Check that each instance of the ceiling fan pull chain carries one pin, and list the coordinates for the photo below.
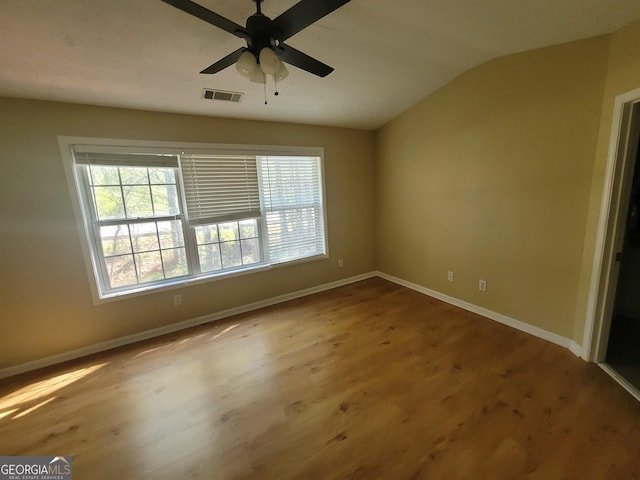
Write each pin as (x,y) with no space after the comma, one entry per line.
(264,86)
(275,80)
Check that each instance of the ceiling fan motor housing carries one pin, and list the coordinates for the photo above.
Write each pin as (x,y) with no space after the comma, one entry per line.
(261,31)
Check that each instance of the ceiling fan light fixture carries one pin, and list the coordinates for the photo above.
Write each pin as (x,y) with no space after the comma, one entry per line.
(258,76)
(282,73)
(269,61)
(247,65)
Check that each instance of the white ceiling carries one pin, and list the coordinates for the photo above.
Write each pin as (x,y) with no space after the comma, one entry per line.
(388,54)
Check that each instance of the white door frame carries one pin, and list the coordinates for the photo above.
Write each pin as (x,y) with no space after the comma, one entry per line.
(623,144)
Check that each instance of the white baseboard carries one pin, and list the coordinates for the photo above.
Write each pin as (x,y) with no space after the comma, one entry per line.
(156,332)
(498,317)
(575,348)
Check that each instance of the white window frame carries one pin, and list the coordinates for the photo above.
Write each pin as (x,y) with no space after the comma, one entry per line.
(93,261)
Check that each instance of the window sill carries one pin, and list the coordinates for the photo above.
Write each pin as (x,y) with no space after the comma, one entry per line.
(193,281)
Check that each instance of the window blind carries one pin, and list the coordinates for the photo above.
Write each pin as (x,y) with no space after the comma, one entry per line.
(125,159)
(292,196)
(220,188)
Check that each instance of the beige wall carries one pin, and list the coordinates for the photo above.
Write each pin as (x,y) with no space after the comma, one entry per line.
(498,175)
(490,178)
(46,303)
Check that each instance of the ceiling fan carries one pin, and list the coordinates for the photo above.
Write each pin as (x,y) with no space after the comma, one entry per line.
(266,50)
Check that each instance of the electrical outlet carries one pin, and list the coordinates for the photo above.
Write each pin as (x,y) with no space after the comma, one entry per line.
(482,285)
(340,263)
(177,300)
(450,276)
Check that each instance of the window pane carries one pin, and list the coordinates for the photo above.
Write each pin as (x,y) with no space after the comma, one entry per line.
(295,234)
(138,201)
(121,271)
(231,256)
(162,175)
(104,175)
(115,240)
(228,231)
(109,202)
(175,262)
(207,234)
(165,200)
(292,196)
(144,237)
(149,266)
(170,233)
(248,228)
(209,257)
(134,175)
(250,251)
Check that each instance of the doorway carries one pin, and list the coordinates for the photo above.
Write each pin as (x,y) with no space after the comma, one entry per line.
(612,320)
(623,347)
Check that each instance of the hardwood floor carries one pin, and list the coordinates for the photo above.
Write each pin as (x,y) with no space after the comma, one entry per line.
(367,381)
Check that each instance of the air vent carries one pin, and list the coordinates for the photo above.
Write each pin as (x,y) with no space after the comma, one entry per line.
(222,95)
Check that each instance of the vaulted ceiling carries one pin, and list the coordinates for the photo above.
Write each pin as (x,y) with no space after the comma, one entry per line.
(387,55)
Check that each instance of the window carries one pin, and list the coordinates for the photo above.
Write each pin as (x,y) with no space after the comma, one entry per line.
(164,214)
(292,203)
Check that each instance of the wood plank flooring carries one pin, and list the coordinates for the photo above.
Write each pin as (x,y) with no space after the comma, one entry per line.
(367,381)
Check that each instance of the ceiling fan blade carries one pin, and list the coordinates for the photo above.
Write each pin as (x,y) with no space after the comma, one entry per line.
(208,16)
(302,60)
(303,14)
(225,62)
